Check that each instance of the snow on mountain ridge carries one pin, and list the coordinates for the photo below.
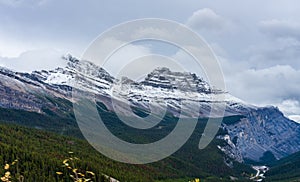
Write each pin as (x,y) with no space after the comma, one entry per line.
(31,92)
(160,84)
(165,78)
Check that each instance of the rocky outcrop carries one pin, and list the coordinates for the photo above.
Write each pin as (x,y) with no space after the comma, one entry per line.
(264,130)
(260,130)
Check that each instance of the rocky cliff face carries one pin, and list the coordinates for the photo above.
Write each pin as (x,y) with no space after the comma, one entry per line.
(165,78)
(17,92)
(33,91)
(259,131)
(262,131)
(181,92)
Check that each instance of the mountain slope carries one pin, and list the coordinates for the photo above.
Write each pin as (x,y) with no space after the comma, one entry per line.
(42,153)
(259,131)
(264,130)
(286,169)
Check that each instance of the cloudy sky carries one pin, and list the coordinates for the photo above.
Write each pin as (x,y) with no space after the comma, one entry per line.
(257,43)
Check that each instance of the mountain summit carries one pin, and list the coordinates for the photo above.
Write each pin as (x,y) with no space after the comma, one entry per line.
(259,131)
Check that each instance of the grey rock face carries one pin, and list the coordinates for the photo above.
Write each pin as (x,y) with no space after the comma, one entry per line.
(165,78)
(29,91)
(261,129)
(265,130)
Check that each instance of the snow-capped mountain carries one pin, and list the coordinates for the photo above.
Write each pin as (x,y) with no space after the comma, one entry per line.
(259,131)
(180,91)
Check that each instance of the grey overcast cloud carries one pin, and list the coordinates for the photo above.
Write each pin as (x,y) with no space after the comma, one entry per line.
(257,42)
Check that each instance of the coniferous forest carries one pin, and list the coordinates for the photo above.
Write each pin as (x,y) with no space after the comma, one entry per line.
(42,147)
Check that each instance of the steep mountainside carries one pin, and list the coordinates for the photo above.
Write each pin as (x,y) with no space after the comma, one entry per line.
(260,131)
(264,132)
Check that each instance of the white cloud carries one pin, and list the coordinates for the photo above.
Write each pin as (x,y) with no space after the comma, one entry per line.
(295,118)
(256,78)
(122,57)
(207,19)
(280,28)
(291,108)
(283,51)
(269,85)
(263,70)
(34,60)
(277,86)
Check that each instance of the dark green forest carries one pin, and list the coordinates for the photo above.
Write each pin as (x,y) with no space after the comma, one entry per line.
(41,142)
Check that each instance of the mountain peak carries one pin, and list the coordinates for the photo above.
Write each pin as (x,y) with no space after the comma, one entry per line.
(167,71)
(165,78)
(70,58)
(162,70)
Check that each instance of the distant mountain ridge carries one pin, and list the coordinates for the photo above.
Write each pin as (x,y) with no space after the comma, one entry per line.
(260,130)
